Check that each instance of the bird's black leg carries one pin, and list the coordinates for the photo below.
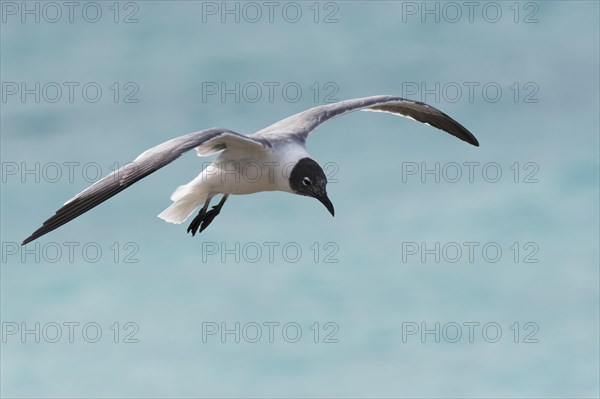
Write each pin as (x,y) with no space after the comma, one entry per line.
(193,227)
(204,218)
(212,214)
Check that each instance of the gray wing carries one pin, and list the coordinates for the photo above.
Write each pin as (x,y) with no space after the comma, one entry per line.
(302,124)
(205,141)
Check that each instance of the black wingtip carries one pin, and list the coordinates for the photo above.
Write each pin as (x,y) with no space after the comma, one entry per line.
(35,235)
(28,240)
(473,141)
(463,134)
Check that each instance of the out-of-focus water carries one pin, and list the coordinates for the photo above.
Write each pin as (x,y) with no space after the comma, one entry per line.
(523,77)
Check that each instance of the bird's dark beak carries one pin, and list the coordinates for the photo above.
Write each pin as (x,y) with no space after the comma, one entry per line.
(324,199)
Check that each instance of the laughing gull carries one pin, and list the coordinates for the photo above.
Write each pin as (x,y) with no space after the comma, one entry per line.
(272,159)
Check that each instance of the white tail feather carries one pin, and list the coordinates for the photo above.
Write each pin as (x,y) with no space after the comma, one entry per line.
(180,192)
(181,209)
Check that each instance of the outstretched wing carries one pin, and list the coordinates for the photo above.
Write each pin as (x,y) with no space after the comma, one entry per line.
(205,141)
(302,124)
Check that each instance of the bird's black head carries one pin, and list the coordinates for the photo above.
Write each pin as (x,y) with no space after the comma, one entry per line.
(307,178)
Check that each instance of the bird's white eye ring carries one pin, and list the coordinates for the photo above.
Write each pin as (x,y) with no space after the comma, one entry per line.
(306,181)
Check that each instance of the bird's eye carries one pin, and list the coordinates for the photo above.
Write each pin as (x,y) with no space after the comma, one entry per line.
(306,181)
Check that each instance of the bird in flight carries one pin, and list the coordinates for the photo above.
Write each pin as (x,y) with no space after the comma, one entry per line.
(272,159)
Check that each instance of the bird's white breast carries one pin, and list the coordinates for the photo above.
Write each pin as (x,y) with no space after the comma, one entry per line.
(269,170)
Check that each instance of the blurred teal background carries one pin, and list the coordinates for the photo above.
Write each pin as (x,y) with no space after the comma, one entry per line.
(376,290)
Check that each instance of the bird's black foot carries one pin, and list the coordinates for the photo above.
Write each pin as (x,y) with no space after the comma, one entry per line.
(204,218)
(193,227)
